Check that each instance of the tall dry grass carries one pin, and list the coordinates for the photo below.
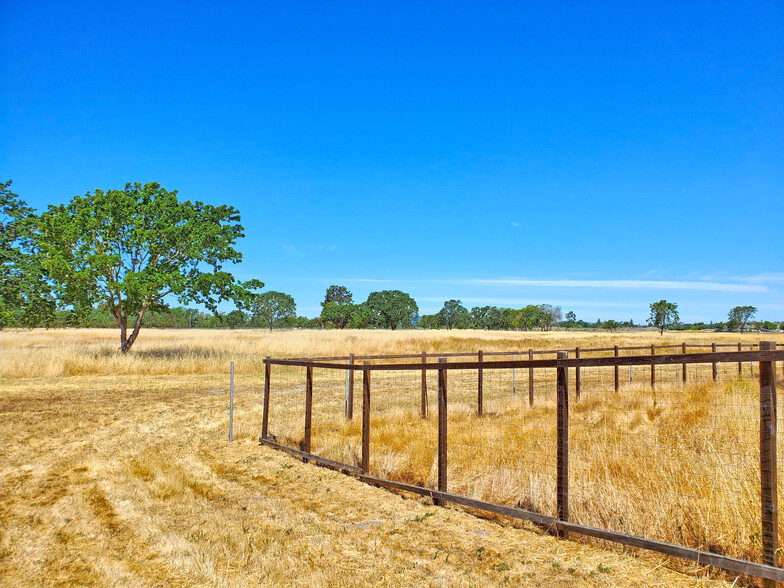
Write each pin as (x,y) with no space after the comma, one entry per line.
(115,468)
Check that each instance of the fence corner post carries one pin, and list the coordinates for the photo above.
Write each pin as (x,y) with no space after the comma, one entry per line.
(365,419)
(768,473)
(562,461)
(442,430)
(265,417)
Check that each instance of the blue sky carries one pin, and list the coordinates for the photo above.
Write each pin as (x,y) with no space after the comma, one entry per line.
(595,157)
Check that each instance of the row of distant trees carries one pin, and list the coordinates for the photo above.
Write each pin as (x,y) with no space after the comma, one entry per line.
(115,257)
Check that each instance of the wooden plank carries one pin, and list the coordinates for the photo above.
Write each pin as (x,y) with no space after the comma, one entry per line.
(562,436)
(365,420)
(309,457)
(768,473)
(691,358)
(577,376)
(669,359)
(308,408)
(739,566)
(530,379)
(423,401)
(740,363)
(479,385)
(442,428)
(714,365)
(350,400)
(444,497)
(265,414)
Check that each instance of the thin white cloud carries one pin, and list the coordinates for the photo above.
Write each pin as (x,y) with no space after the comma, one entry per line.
(598,284)
(526,301)
(769,278)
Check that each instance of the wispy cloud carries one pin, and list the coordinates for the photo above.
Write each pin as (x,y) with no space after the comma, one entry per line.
(526,301)
(593,284)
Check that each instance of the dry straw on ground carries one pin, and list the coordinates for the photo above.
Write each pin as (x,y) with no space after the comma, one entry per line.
(115,470)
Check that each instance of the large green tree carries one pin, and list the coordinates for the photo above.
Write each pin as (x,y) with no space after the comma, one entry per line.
(391,309)
(337,308)
(453,315)
(337,295)
(271,307)
(663,314)
(739,316)
(25,295)
(132,248)
(338,315)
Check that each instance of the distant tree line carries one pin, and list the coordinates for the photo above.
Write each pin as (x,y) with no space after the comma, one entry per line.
(116,258)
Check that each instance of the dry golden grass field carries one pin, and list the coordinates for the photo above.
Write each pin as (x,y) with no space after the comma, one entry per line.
(116,470)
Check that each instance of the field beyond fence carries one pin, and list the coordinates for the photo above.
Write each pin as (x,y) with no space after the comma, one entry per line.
(669,448)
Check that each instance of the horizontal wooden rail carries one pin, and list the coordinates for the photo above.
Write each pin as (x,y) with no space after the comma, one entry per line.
(609,361)
(519,352)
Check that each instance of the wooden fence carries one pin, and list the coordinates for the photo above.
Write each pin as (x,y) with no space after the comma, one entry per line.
(765,356)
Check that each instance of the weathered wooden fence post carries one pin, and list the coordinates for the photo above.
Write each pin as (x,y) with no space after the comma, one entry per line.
(530,379)
(423,403)
(631,381)
(768,474)
(577,376)
(740,363)
(514,387)
(683,370)
(715,365)
(308,409)
(350,389)
(366,419)
(616,370)
(562,474)
(265,417)
(442,432)
(653,367)
(479,385)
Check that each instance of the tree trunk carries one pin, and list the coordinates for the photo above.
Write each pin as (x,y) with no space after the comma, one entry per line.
(127,342)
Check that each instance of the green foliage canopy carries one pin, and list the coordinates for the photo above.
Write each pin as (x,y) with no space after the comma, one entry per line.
(338,295)
(25,295)
(391,309)
(663,314)
(131,248)
(739,316)
(271,307)
(454,315)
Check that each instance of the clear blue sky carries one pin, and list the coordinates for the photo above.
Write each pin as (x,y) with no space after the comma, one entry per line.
(595,157)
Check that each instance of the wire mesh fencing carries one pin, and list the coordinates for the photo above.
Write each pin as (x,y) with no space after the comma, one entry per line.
(657,450)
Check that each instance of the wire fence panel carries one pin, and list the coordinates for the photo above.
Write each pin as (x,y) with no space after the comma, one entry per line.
(678,464)
(287,405)
(647,447)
